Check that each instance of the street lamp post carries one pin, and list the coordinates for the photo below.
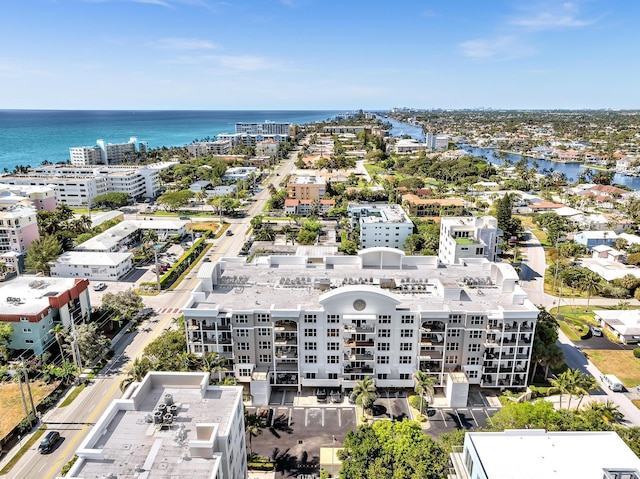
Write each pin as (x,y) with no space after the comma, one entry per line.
(155,255)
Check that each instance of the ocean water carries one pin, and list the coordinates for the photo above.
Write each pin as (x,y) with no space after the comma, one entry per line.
(29,137)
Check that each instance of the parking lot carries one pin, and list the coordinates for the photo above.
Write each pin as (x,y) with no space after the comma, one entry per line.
(294,435)
(443,420)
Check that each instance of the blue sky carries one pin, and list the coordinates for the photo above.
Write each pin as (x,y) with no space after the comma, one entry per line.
(318,54)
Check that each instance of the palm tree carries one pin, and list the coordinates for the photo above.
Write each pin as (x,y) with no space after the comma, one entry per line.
(58,329)
(586,384)
(590,284)
(608,410)
(424,387)
(253,425)
(149,236)
(365,393)
(213,363)
(136,372)
(561,384)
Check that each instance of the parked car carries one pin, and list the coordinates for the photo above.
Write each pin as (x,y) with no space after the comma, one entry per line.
(229,233)
(321,395)
(336,396)
(49,442)
(596,331)
(99,286)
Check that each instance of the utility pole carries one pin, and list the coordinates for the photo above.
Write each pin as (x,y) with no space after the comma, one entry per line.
(26,381)
(155,254)
(75,349)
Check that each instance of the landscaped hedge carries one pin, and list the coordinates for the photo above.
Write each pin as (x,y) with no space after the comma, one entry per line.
(260,466)
(636,352)
(184,262)
(414,401)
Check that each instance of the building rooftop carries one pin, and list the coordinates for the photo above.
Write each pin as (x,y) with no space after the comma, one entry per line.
(540,454)
(126,443)
(415,282)
(29,295)
(114,235)
(379,213)
(91,258)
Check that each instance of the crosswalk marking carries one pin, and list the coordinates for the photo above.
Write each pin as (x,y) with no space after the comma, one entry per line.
(168,310)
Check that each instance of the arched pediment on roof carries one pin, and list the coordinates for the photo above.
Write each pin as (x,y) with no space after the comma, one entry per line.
(359,300)
(381,257)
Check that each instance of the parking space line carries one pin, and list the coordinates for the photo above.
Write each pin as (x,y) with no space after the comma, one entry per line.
(339,417)
(322,417)
(474,418)
(444,418)
(290,416)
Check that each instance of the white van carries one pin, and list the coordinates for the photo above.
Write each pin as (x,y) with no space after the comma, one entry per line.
(612,382)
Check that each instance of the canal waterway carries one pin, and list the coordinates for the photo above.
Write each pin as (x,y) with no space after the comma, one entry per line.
(571,170)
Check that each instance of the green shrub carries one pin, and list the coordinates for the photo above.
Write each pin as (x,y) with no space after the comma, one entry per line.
(414,401)
(260,466)
(67,467)
(636,352)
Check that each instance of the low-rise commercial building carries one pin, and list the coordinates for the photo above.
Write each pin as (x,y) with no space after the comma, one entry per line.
(168,426)
(100,266)
(32,305)
(432,207)
(333,321)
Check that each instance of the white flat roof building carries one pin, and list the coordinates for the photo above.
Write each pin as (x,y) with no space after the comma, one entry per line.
(101,266)
(120,236)
(538,454)
(171,425)
(301,321)
(381,224)
(466,237)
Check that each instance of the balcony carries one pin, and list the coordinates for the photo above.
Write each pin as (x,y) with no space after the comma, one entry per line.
(432,326)
(286,353)
(285,379)
(202,326)
(352,343)
(285,341)
(358,370)
(360,329)
(285,326)
(428,355)
(359,356)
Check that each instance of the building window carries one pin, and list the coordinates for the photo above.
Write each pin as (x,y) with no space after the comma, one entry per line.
(332,376)
(384,333)
(382,376)
(451,359)
(383,346)
(264,344)
(264,332)
(455,318)
(311,346)
(26,330)
(473,348)
(310,318)
(265,358)
(333,333)
(405,376)
(475,319)
(333,318)
(333,346)
(241,319)
(406,346)
(244,359)
(473,361)
(472,374)
(406,319)
(382,360)
(404,360)
(475,334)
(28,341)
(452,346)
(263,318)
(242,333)
(311,359)
(310,333)
(384,319)
(453,333)
(243,346)
(406,333)
(244,372)
(310,375)
(333,359)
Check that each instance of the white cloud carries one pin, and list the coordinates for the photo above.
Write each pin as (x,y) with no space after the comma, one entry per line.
(498,48)
(551,16)
(246,63)
(183,44)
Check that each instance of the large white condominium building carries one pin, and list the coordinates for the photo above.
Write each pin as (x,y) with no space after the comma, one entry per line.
(76,185)
(466,237)
(381,224)
(171,425)
(287,321)
(266,128)
(105,153)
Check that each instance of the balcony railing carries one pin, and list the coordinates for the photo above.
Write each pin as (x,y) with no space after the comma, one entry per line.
(352,343)
(359,357)
(362,329)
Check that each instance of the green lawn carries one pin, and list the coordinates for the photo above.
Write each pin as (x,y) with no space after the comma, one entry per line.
(622,363)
